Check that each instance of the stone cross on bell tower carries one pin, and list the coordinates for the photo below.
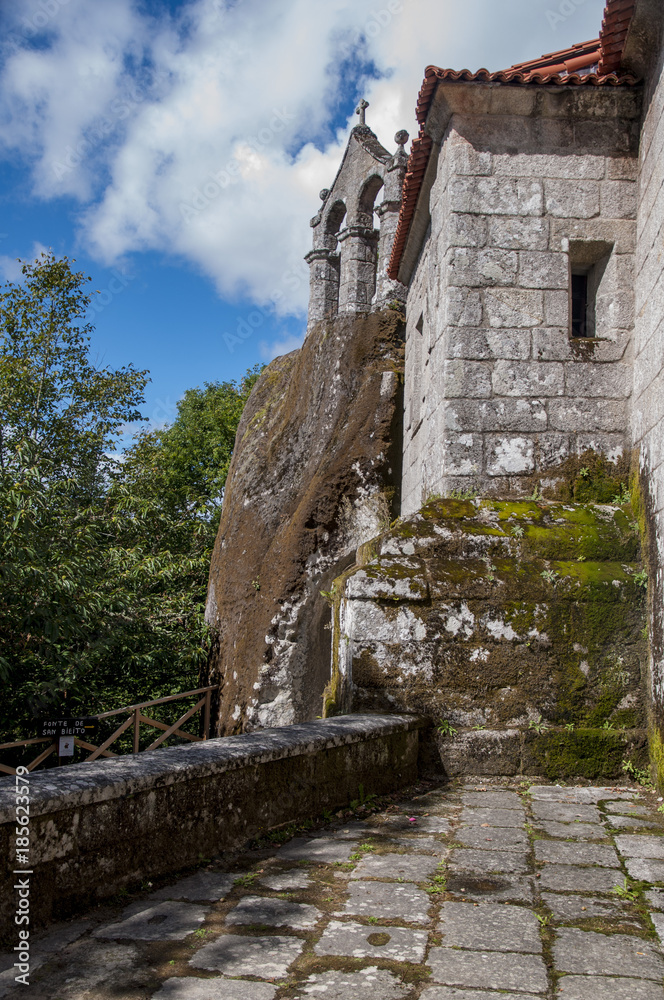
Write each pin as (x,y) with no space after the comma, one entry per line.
(360,110)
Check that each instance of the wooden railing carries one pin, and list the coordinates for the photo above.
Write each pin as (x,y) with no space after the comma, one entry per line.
(136,719)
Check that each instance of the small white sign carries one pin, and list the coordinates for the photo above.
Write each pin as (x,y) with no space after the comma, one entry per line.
(66,746)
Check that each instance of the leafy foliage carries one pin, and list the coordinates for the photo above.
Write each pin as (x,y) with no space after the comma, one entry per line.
(103,561)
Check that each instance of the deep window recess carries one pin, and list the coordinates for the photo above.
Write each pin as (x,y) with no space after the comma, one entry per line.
(579,305)
(589,293)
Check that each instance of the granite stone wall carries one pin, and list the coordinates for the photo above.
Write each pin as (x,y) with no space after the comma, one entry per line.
(498,395)
(495,614)
(648,415)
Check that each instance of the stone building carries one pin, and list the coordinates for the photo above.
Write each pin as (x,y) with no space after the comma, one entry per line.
(523,246)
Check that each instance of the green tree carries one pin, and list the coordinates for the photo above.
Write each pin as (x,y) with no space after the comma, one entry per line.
(103,563)
(186,464)
(54,404)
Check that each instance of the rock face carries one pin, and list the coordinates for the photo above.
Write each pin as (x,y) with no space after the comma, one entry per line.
(315,472)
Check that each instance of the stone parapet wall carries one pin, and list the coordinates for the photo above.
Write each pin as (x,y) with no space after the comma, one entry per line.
(98,827)
(498,394)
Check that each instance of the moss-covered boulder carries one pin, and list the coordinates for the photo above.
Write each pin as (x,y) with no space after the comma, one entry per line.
(489,613)
(317,457)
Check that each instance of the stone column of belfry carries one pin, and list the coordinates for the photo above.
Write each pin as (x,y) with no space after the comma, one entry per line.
(357,282)
(323,263)
(387,290)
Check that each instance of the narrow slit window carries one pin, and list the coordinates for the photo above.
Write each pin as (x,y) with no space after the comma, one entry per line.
(579,304)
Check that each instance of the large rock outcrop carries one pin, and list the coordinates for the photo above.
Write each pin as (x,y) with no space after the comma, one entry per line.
(315,472)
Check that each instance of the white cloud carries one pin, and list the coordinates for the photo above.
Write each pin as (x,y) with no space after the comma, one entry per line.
(269,351)
(10,267)
(199,136)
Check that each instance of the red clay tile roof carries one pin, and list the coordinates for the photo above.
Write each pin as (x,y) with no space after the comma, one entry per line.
(595,63)
(617,18)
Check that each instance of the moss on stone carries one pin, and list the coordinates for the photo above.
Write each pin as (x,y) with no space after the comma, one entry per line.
(584,753)
(656,746)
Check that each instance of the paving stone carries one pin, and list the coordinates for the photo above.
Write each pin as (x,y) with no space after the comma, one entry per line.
(387,901)
(645,869)
(577,831)
(628,808)
(576,854)
(496,838)
(325,849)
(492,800)
(568,878)
(406,824)
(433,803)
(423,845)
(168,921)
(629,823)
(504,862)
(297,878)
(591,793)
(588,953)
(603,988)
(201,886)
(450,993)
(656,898)
(267,911)
(369,984)
(237,955)
(489,927)
(407,867)
(640,846)
(352,831)
(432,824)
(359,941)
(488,970)
(43,944)
(580,907)
(494,817)
(190,988)
(566,813)
(94,969)
(491,888)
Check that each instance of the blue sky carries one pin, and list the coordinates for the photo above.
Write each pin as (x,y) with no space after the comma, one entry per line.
(176,150)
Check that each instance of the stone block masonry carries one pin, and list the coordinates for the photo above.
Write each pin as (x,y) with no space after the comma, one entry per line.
(648,402)
(96,828)
(525,190)
(497,614)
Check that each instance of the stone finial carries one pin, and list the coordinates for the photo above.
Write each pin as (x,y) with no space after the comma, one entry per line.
(360,110)
(323,194)
(402,137)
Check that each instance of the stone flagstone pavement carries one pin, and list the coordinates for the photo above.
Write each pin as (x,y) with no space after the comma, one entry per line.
(475,891)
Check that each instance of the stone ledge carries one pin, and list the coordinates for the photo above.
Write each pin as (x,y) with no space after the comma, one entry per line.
(588,753)
(104,780)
